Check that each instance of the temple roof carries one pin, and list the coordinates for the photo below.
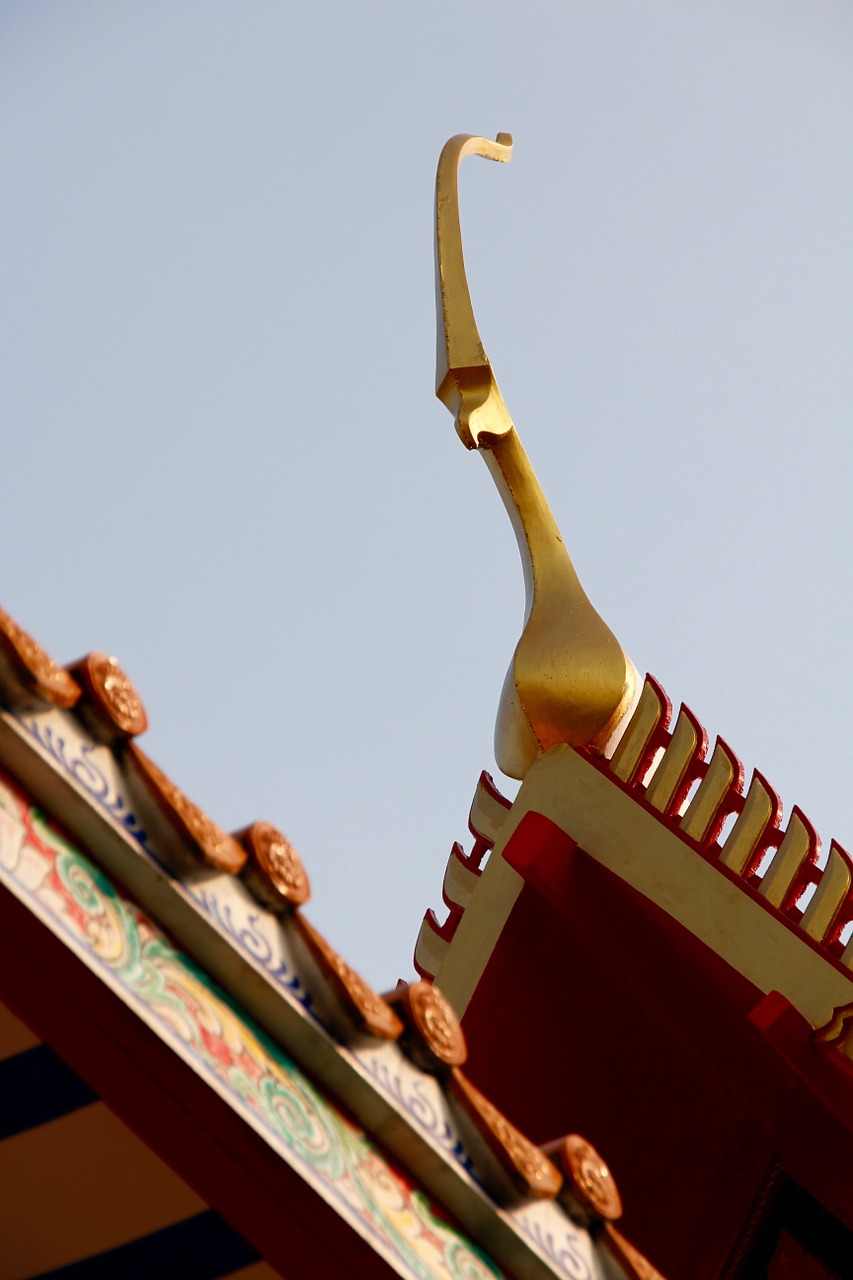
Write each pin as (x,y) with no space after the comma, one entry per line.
(676,962)
(171,964)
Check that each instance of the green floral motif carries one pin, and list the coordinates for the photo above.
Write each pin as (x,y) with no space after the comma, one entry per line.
(223,1045)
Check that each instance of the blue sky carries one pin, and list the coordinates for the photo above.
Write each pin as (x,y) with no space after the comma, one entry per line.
(223,459)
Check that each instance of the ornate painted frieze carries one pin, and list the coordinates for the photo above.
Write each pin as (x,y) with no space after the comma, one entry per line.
(204,1026)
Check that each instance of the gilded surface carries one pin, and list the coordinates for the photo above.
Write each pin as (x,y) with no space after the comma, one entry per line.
(838,1031)
(49,679)
(276,857)
(216,847)
(370,1010)
(636,1265)
(116,694)
(590,1177)
(437,1023)
(756,835)
(524,1161)
(569,680)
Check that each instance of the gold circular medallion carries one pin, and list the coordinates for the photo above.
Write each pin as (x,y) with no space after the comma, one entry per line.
(277,860)
(115,694)
(437,1023)
(49,680)
(590,1178)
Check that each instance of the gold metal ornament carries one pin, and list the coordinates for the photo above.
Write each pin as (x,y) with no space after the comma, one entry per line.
(569,679)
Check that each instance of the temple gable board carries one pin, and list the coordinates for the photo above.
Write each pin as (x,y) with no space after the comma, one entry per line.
(626,1051)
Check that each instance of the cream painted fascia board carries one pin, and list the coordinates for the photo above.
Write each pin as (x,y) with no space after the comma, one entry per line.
(483,920)
(610,826)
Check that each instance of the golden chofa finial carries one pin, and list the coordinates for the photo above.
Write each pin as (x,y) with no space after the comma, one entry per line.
(569,679)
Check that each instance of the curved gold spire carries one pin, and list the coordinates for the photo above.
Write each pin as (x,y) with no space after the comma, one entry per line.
(569,680)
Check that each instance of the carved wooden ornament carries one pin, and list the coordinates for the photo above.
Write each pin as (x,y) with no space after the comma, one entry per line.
(435,1040)
(112,694)
(369,1011)
(215,847)
(588,1177)
(635,1264)
(274,870)
(36,668)
(529,1168)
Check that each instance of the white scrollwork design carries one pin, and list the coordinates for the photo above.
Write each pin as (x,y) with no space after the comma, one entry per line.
(78,764)
(564,1254)
(251,939)
(412,1096)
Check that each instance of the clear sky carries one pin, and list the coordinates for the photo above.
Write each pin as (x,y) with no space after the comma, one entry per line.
(222,458)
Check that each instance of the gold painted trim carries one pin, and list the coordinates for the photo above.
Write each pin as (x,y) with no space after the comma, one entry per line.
(569,680)
(612,828)
(589,1180)
(633,842)
(724,775)
(430,949)
(460,880)
(369,1012)
(462,961)
(759,812)
(488,811)
(34,667)
(464,380)
(797,844)
(653,711)
(532,1173)
(834,886)
(688,742)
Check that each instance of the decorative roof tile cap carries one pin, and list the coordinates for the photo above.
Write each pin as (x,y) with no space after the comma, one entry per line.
(274,872)
(217,849)
(35,668)
(588,1179)
(112,695)
(434,1039)
(369,1012)
(635,1265)
(529,1168)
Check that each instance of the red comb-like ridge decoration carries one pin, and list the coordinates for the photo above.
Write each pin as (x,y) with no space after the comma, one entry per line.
(696,795)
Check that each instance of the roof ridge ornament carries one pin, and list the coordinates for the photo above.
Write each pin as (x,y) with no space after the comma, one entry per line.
(569,679)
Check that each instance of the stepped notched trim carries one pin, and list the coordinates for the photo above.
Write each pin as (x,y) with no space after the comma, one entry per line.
(488,811)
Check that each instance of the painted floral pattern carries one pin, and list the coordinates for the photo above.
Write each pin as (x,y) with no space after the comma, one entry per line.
(203,1025)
